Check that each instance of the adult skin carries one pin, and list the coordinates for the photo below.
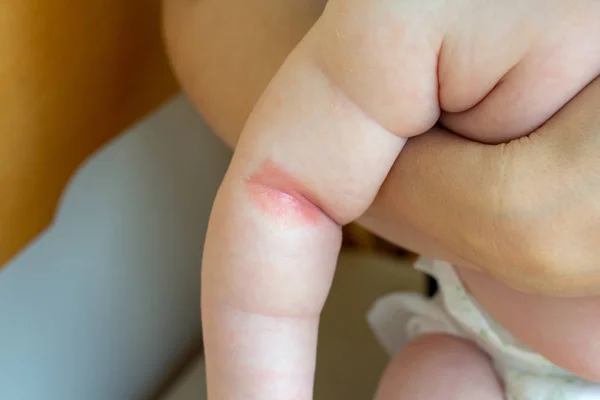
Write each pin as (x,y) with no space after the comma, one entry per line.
(442,197)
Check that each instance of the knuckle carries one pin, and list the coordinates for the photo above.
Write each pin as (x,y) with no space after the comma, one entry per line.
(383,60)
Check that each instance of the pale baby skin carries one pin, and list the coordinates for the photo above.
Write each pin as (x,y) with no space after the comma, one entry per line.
(320,142)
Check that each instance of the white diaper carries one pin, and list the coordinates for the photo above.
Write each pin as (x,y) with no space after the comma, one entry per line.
(399,317)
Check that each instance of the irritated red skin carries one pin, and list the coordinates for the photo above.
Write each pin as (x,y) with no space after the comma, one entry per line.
(278,194)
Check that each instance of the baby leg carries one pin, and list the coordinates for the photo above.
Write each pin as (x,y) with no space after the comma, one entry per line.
(441,367)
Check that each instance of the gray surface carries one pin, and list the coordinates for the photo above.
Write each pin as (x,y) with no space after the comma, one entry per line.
(100,306)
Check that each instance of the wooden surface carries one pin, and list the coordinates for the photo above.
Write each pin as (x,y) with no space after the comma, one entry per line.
(73,74)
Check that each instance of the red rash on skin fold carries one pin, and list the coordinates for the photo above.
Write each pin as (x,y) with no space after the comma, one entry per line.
(277,193)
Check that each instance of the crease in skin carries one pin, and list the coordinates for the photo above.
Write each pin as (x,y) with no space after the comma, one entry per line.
(278,194)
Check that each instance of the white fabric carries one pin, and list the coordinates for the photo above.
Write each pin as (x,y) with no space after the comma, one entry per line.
(399,317)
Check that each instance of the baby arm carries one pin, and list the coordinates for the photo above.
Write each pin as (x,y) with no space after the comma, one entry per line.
(310,159)
(322,139)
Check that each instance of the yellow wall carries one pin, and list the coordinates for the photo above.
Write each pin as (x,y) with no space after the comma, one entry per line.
(73,73)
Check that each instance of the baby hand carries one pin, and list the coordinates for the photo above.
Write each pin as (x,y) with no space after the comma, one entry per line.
(324,135)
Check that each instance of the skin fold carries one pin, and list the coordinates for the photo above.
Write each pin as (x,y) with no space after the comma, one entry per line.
(332,123)
(441,172)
